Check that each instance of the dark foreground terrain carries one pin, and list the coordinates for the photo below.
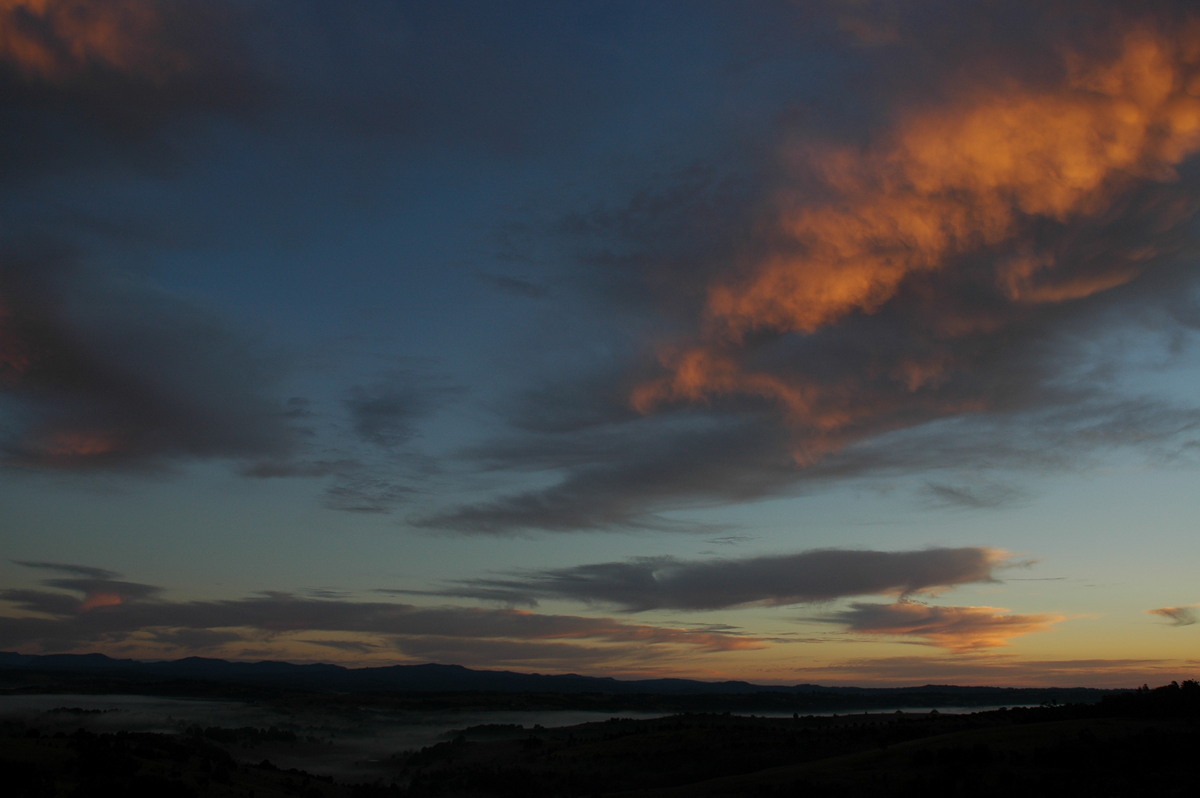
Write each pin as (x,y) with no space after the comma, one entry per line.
(1136,743)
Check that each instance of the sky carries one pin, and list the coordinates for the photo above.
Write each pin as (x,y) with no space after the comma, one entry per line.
(794,342)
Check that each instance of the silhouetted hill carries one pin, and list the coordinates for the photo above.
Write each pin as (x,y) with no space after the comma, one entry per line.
(1139,745)
(98,673)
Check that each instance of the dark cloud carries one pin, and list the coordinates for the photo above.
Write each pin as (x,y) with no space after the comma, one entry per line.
(972,495)
(356,483)
(617,475)
(194,639)
(65,623)
(101,368)
(729,540)
(88,83)
(624,474)
(96,587)
(1177,616)
(40,601)
(104,370)
(347,645)
(957,628)
(364,490)
(366,448)
(385,413)
(326,593)
(811,576)
(104,592)
(85,571)
(383,417)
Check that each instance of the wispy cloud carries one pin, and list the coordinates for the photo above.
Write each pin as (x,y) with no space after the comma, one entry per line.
(1177,616)
(973,495)
(956,628)
(56,620)
(85,571)
(990,667)
(384,413)
(811,576)
(98,587)
(622,474)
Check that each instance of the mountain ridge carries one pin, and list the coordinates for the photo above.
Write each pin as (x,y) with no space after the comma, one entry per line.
(448,678)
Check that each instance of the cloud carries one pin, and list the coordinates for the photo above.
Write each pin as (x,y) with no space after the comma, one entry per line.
(616,474)
(286,620)
(355,484)
(621,474)
(194,639)
(991,668)
(384,413)
(895,277)
(955,628)
(1178,616)
(352,646)
(810,576)
(936,282)
(104,370)
(60,39)
(973,496)
(87,81)
(366,450)
(104,592)
(97,586)
(85,571)
(364,491)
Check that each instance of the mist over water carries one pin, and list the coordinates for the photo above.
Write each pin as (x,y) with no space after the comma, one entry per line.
(343,742)
(347,743)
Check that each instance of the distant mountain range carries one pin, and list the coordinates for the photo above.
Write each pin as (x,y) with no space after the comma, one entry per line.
(28,672)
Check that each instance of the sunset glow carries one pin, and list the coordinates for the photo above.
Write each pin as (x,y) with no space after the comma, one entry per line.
(785,342)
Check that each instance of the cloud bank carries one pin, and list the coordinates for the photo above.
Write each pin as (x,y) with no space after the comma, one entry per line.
(89,610)
(805,577)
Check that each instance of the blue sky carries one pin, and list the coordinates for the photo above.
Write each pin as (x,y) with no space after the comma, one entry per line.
(792,342)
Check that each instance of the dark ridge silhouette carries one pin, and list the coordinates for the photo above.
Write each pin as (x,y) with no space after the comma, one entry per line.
(63,672)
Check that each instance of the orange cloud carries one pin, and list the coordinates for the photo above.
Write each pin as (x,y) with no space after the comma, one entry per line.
(953,196)
(957,179)
(101,599)
(56,39)
(72,444)
(956,628)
